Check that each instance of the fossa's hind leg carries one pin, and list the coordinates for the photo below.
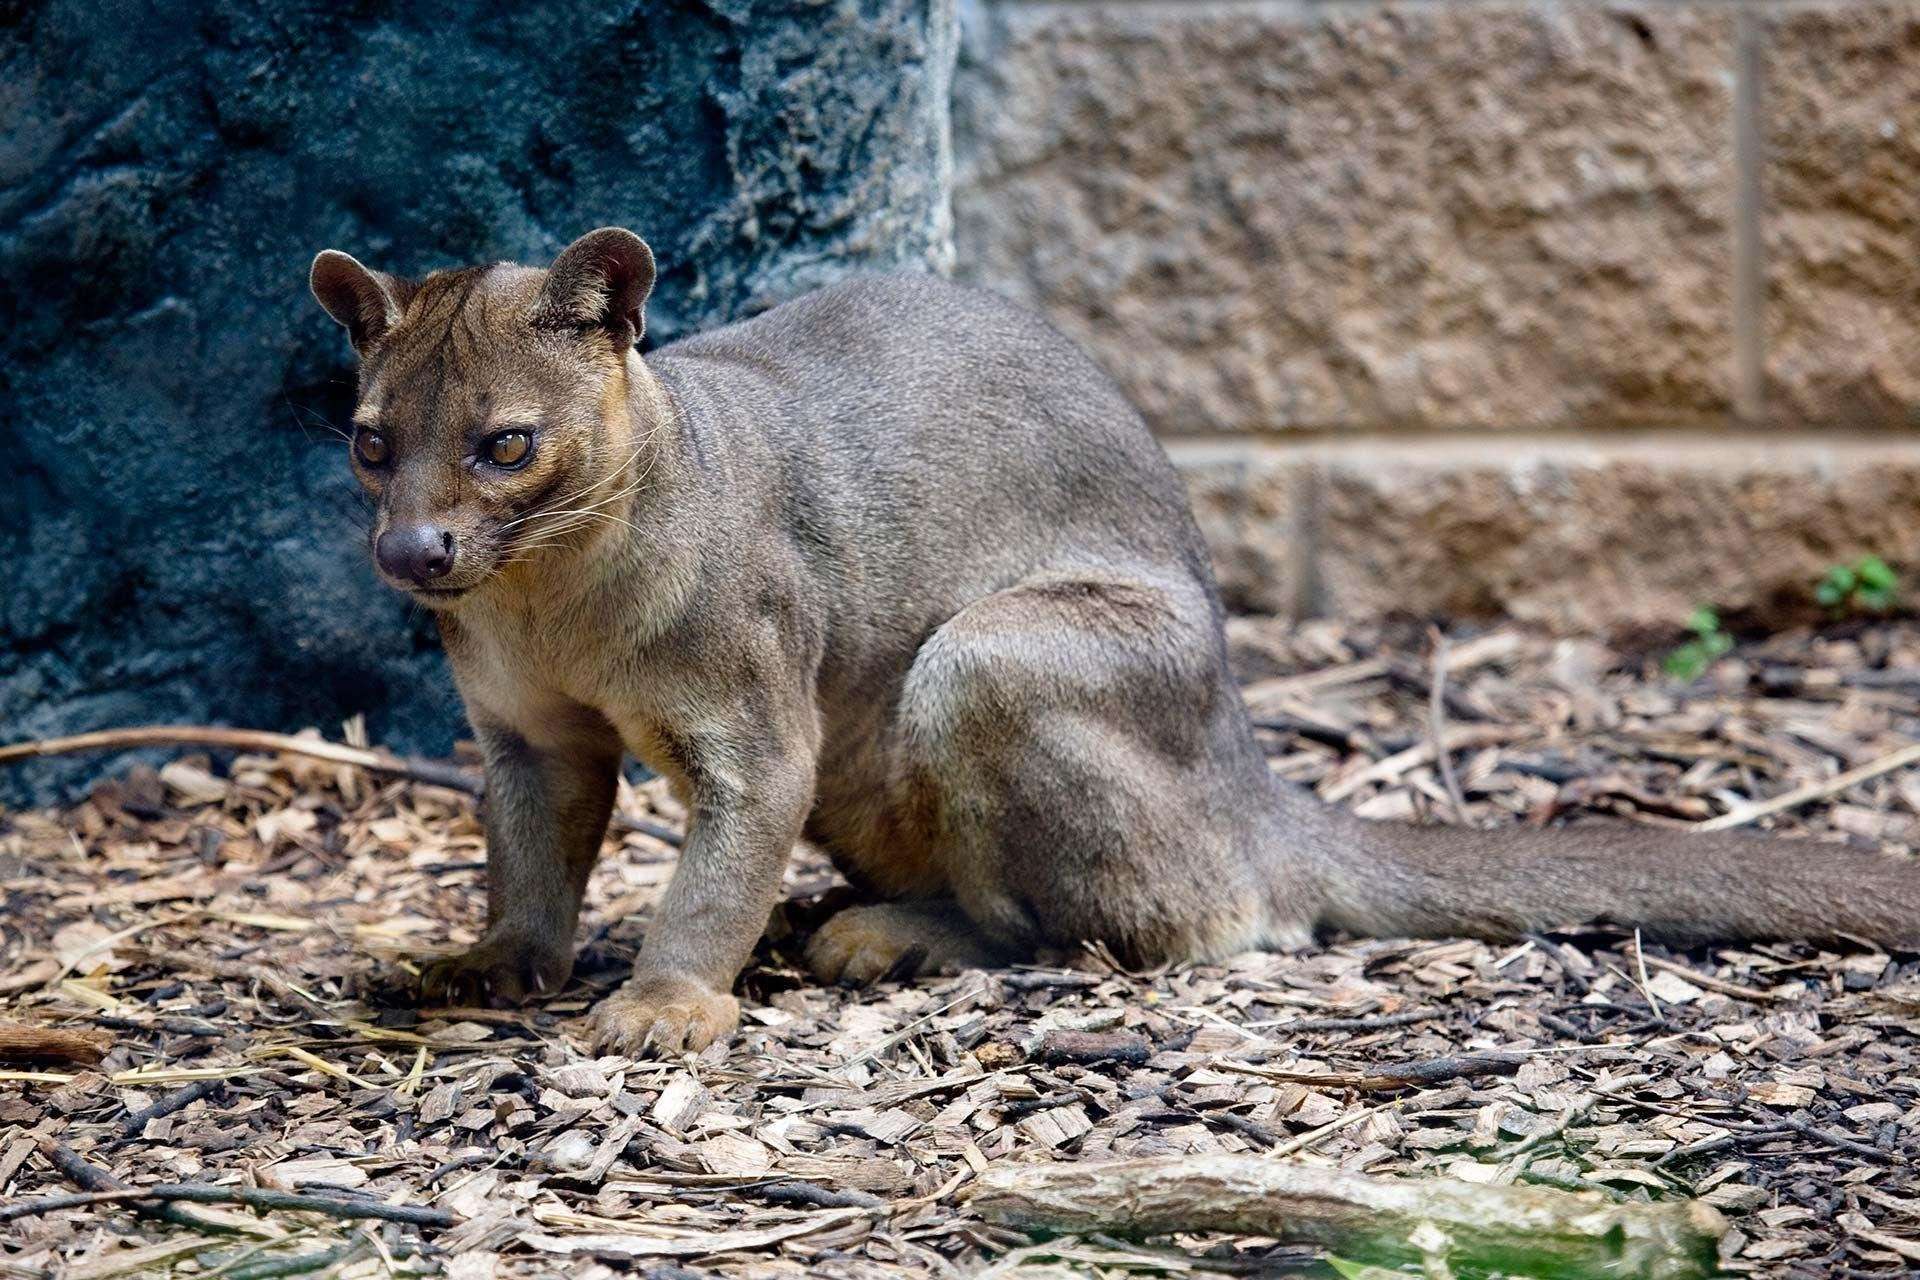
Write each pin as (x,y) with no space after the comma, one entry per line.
(1088,769)
(918,935)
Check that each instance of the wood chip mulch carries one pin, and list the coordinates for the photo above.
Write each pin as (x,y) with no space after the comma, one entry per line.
(244,931)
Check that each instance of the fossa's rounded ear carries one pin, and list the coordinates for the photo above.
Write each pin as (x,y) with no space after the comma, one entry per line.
(365,301)
(601,281)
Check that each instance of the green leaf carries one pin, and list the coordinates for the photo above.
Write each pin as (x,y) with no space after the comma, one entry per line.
(1686,662)
(1830,593)
(1875,575)
(1703,621)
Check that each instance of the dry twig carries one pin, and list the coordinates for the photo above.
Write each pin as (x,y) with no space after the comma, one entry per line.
(1711,983)
(434,773)
(1401,1075)
(1437,724)
(1755,810)
(251,1197)
(99,1181)
(180,1099)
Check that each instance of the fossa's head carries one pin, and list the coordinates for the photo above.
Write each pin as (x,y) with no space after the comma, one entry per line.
(492,421)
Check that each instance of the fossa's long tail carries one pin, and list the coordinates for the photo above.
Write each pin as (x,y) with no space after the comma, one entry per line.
(1399,879)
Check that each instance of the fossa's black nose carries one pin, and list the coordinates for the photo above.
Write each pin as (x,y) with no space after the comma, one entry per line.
(416,552)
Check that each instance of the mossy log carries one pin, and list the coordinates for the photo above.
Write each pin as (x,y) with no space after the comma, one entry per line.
(1529,1231)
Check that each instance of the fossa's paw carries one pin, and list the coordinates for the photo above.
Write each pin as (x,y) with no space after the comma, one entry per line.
(502,969)
(663,1016)
(895,940)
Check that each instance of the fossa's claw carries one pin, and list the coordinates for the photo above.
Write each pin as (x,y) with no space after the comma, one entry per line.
(501,969)
(662,1017)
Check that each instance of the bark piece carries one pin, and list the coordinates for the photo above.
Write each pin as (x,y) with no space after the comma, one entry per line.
(1085,1048)
(23,1042)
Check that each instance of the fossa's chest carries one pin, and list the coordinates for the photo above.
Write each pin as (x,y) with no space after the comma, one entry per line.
(556,680)
(538,673)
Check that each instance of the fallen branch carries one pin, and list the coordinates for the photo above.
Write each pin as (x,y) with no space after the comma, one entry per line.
(1425,1071)
(1755,810)
(1371,1022)
(1725,1142)
(1245,1126)
(299,1265)
(808,1195)
(101,1183)
(180,1099)
(1398,1075)
(438,773)
(695,1244)
(1841,1143)
(1043,980)
(250,1197)
(434,773)
(171,1025)
(25,1042)
(1534,1231)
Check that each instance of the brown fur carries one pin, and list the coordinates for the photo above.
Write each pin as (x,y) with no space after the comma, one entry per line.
(896,568)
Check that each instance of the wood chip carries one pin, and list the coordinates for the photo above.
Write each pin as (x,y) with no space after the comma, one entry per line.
(254,928)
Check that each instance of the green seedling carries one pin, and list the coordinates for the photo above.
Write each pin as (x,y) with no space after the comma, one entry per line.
(1690,660)
(1868,585)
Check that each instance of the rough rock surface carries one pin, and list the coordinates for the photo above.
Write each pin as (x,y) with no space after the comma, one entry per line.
(180,535)
(1841,112)
(1258,510)
(1580,536)
(1485,215)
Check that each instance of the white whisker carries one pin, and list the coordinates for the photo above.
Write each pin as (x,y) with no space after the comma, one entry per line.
(612,475)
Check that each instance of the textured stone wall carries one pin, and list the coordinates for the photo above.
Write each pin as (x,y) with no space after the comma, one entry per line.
(179,534)
(1583,312)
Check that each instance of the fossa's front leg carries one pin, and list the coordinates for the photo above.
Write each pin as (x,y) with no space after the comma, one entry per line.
(749,800)
(546,816)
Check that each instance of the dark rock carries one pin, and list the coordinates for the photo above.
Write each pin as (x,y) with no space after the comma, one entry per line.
(180,538)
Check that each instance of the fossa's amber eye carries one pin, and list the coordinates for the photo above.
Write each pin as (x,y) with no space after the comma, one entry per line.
(509,448)
(372,448)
